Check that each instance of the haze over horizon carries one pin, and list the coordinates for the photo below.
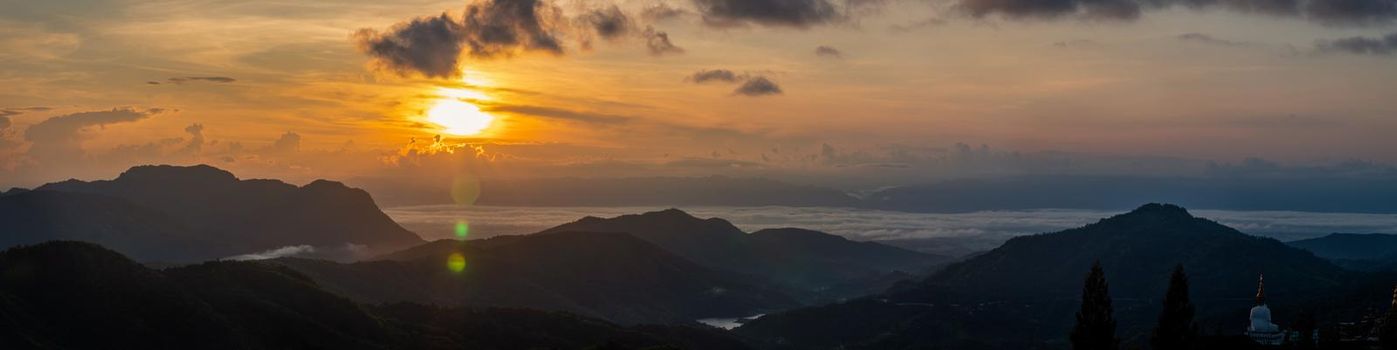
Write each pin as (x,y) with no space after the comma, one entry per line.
(853,95)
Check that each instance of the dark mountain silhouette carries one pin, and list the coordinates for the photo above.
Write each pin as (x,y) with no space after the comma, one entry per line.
(1029,286)
(1137,248)
(207,210)
(37,216)
(1373,251)
(80,295)
(814,264)
(614,276)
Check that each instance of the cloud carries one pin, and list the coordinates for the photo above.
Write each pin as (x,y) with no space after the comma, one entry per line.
(1361,45)
(1328,12)
(288,143)
(758,86)
(5,112)
(287,251)
(829,52)
(557,113)
(182,80)
(658,43)
(196,139)
(4,123)
(752,85)
(661,12)
(1208,39)
(60,138)
(715,75)
(433,46)
(791,13)
(609,23)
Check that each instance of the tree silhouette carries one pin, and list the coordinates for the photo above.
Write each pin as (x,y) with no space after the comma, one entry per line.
(1387,334)
(1095,329)
(1176,329)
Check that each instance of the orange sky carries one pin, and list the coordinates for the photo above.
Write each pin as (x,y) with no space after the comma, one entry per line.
(288,90)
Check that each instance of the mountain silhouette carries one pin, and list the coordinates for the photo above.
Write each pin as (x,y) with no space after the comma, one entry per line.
(1025,291)
(63,294)
(1356,251)
(810,263)
(207,211)
(614,276)
(1137,248)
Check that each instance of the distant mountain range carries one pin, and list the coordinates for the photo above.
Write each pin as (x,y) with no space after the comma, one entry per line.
(1372,251)
(613,276)
(64,295)
(1025,291)
(815,265)
(1314,193)
(185,214)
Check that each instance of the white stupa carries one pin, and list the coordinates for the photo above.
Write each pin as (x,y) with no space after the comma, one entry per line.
(1262,330)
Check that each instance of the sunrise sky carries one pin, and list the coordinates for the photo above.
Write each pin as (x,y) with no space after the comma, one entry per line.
(896,91)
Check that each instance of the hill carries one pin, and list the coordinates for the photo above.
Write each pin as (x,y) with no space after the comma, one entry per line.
(1023,294)
(209,211)
(614,276)
(79,295)
(1373,251)
(812,264)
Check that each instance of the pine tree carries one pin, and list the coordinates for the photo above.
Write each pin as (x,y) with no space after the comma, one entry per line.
(1387,333)
(1095,329)
(1176,329)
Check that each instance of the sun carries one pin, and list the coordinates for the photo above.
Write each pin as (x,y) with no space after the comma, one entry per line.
(458,117)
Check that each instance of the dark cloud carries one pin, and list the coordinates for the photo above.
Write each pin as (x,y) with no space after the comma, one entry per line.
(715,75)
(758,86)
(830,52)
(4,123)
(658,43)
(1097,9)
(433,46)
(1329,12)
(609,23)
(1361,45)
(792,13)
(1208,39)
(430,46)
(1344,12)
(59,138)
(182,80)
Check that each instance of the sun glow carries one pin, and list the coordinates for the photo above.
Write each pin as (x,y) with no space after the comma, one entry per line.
(459,117)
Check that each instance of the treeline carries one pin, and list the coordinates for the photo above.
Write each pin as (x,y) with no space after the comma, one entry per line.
(1176,329)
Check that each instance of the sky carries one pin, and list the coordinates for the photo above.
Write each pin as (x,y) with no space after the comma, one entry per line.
(844,93)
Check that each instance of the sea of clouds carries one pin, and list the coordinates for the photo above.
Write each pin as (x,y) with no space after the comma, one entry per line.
(969,231)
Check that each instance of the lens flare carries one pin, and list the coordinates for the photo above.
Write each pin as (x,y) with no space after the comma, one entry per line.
(465,190)
(463,228)
(456,262)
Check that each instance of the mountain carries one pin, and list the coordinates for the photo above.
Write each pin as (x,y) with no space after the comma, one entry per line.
(206,210)
(812,264)
(613,276)
(1372,251)
(1023,294)
(1137,248)
(79,295)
